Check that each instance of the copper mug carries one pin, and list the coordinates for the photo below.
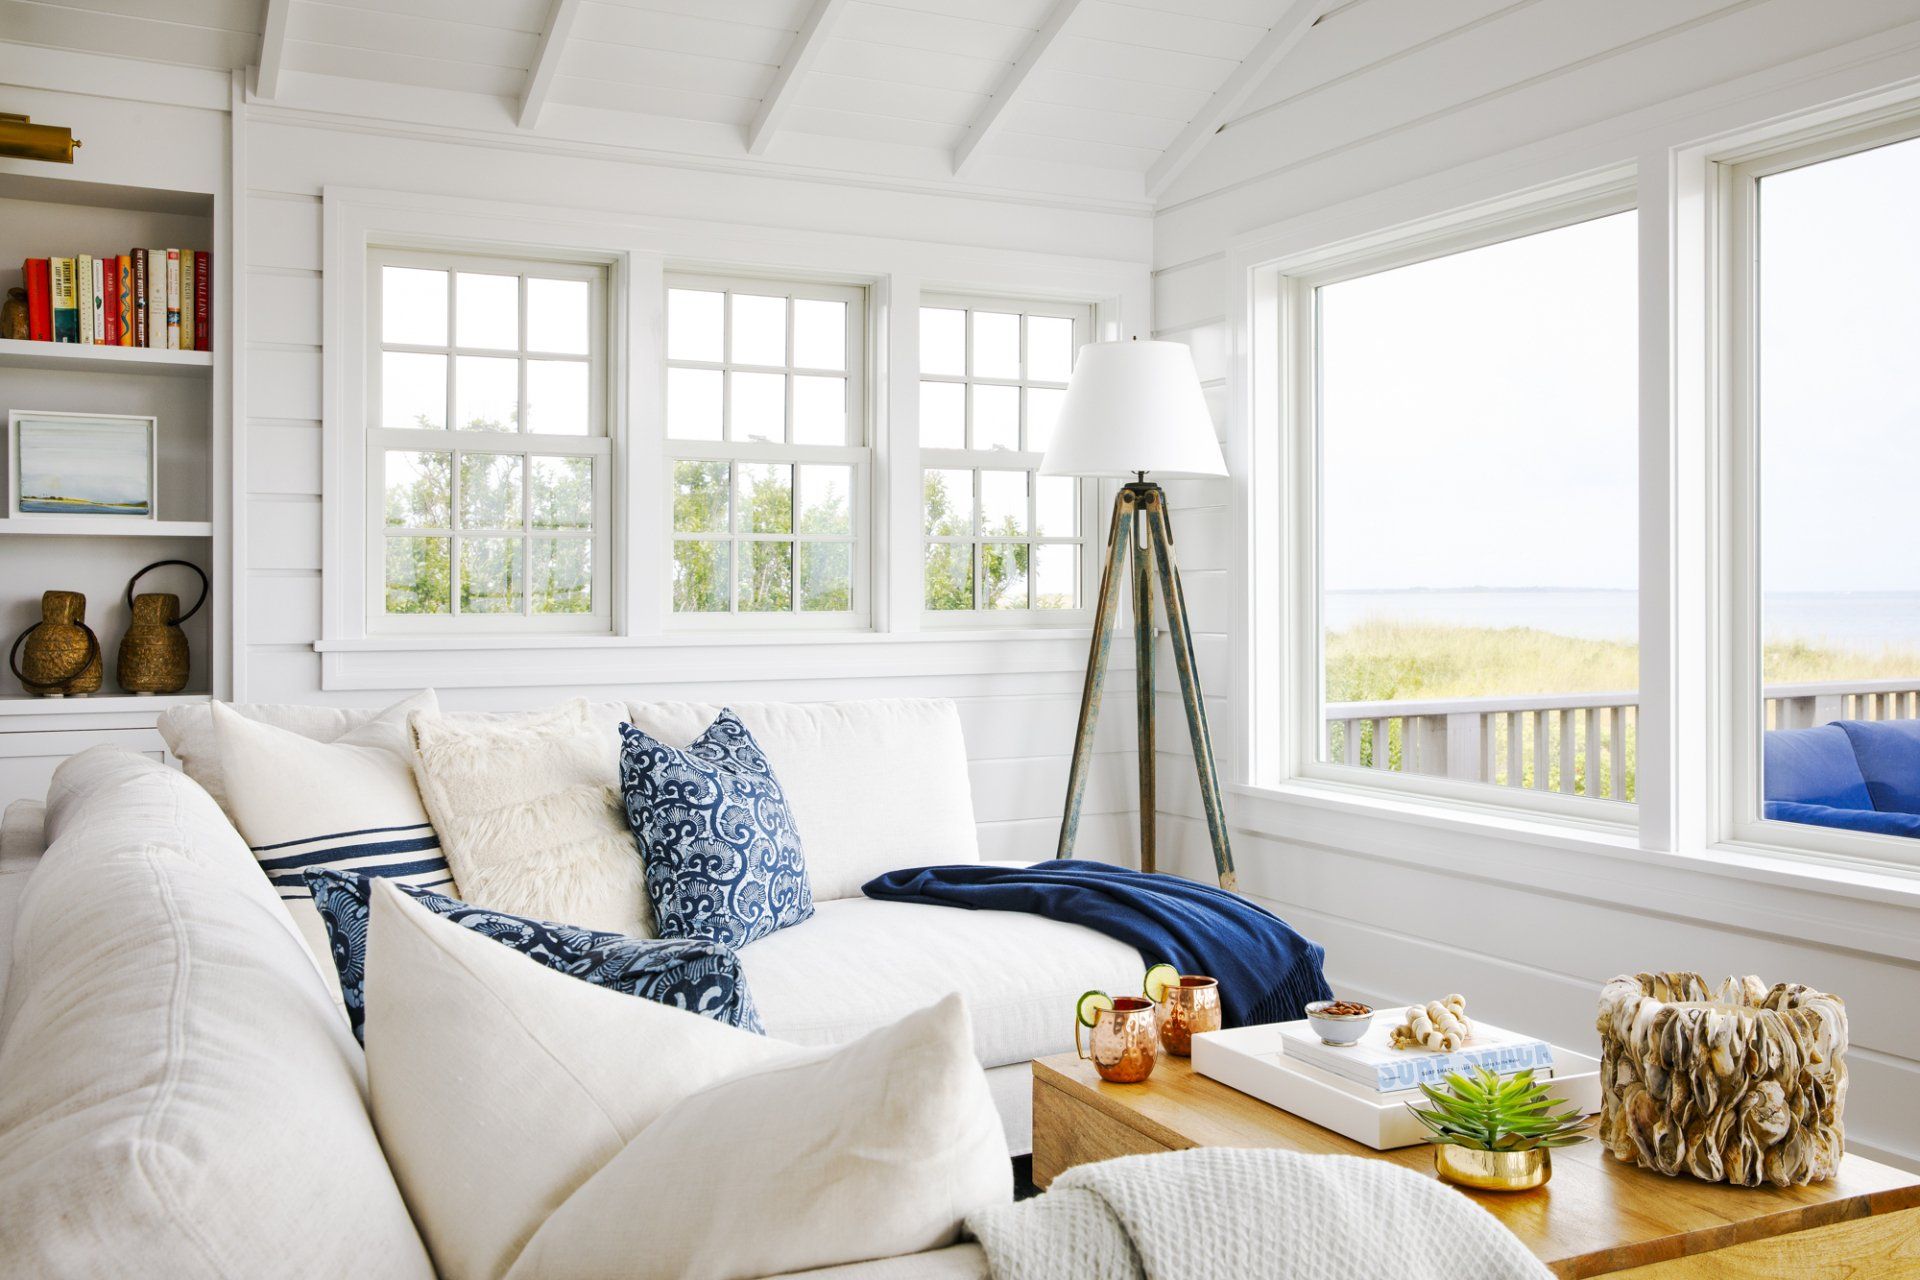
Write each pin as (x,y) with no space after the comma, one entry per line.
(1187,1008)
(1122,1040)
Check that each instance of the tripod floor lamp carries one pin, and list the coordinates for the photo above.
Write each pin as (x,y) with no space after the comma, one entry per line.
(1134,408)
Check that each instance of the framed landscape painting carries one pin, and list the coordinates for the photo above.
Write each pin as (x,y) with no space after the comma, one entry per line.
(81,465)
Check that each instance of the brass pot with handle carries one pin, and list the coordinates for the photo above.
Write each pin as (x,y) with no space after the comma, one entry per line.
(153,653)
(61,654)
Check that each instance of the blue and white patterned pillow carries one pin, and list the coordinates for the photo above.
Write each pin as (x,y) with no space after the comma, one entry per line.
(701,977)
(723,858)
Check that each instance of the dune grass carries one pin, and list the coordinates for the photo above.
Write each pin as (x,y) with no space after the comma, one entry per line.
(1381,660)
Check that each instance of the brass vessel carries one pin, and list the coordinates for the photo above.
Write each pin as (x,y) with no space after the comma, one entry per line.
(1492,1170)
(153,653)
(61,654)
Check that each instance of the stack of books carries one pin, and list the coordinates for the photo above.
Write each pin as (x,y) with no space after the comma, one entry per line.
(161,299)
(1375,1064)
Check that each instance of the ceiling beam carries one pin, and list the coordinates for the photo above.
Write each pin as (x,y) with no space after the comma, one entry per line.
(546,60)
(785,89)
(1295,21)
(994,114)
(273,49)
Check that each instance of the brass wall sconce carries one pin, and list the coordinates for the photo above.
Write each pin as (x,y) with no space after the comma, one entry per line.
(21,139)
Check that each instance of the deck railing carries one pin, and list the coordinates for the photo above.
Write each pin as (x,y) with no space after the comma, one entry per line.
(1576,744)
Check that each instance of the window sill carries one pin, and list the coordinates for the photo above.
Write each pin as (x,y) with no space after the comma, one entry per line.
(1777,892)
(699,657)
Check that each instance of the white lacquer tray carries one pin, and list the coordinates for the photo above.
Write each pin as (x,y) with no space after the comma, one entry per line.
(1252,1060)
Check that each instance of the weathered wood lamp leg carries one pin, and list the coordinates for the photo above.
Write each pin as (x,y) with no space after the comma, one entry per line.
(1140,527)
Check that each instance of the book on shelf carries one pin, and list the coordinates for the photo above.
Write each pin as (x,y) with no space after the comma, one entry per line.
(99,301)
(66,302)
(173,300)
(83,297)
(202,301)
(1375,1063)
(39,281)
(140,290)
(123,297)
(186,299)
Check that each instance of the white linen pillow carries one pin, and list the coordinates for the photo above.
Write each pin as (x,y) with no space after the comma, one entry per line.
(348,804)
(189,734)
(540,1126)
(529,813)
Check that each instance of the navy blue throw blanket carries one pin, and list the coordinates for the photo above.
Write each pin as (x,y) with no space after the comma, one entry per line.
(1267,972)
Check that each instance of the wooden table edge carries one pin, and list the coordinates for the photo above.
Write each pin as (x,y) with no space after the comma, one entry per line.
(1636,1256)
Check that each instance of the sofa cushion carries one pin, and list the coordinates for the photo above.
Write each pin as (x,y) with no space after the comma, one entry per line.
(702,977)
(860,964)
(1813,766)
(528,810)
(1820,815)
(1889,756)
(723,859)
(181,1097)
(559,1142)
(874,784)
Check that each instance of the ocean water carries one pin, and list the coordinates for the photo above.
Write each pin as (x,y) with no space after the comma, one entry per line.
(1859,621)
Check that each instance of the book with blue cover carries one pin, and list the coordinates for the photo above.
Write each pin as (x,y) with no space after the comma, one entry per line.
(1375,1063)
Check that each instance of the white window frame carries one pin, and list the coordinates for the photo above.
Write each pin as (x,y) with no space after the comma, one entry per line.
(974,461)
(1283,737)
(857,453)
(597,444)
(1732,179)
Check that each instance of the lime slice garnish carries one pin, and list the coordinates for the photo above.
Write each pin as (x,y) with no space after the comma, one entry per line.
(1159,978)
(1087,1008)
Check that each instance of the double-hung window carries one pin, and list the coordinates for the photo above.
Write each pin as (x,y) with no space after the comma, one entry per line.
(1471,429)
(768,450)
(1001,539)
(489,458)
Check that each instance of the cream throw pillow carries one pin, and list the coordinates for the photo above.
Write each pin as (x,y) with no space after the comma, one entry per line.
(348,804)
(543,1127)
(528,809)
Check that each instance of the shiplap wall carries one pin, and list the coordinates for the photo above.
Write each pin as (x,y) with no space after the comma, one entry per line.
(1398,102)
(1019,722)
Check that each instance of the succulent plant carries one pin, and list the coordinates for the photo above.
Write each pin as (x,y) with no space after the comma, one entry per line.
(1486,1113)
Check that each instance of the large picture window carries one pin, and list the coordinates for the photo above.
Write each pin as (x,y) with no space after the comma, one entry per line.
(767,440)
(1834,305)
(488,452)
(1000,537)
(1474,420)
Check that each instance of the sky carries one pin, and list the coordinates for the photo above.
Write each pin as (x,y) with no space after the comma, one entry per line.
(1480,410)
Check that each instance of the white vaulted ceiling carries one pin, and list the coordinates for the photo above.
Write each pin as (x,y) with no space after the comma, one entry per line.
(1100,99)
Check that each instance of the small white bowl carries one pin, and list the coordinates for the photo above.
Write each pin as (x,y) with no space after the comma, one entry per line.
(1338,1029)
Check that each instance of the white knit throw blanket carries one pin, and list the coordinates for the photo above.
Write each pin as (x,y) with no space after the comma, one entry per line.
(1219,1213)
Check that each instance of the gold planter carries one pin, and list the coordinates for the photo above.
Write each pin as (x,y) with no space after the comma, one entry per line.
(1492,1170)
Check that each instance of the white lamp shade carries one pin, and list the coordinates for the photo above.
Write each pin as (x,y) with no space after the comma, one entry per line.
(1130,407)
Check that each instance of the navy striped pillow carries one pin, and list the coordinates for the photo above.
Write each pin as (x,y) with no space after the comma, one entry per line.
(410,854)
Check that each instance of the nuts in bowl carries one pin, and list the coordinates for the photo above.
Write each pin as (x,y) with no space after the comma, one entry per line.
(1339,1022)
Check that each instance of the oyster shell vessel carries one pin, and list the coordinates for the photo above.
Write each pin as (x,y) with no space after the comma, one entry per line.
(1744,1084)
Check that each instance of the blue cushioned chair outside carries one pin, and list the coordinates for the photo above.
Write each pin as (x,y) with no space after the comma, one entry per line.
(1858,775)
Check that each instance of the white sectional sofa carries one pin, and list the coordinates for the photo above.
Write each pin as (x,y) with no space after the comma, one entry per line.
(178,1091)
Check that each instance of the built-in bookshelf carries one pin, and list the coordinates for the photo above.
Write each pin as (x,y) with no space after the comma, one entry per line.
(45,216)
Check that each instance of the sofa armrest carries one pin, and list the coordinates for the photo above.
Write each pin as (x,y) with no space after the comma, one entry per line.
(1870,820)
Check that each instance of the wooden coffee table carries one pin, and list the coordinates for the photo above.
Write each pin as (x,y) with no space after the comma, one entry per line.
(1598,1216)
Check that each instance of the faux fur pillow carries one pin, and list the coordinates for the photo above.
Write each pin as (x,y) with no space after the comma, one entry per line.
(529,813)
